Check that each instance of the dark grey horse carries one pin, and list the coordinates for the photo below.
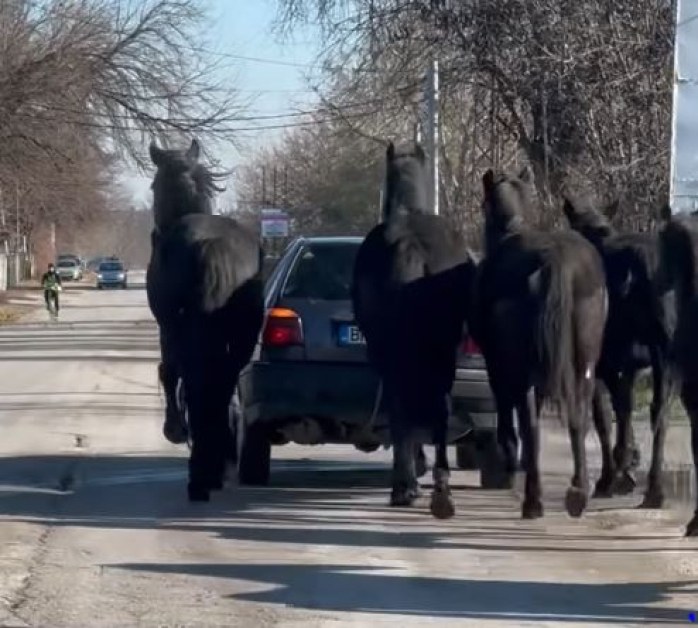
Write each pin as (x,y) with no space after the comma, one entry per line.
(640,323)
(410,295)
(541,310)
(679,269)
(205,290)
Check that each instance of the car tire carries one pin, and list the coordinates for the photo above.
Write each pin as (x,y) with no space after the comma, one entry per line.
(254,453)
(492,473)
(467,454)
(100,286)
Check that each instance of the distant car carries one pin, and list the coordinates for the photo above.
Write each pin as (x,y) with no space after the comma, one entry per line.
(309,380)
(69,268)
(112,273)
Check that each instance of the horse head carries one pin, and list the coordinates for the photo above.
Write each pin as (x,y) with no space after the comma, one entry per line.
(181,184)
(405,181)
(506,202)
(588,221)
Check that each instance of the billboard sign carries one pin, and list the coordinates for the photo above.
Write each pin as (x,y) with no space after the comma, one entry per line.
(275,223)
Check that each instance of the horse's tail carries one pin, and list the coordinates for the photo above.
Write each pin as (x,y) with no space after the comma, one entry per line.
(221,272)
(556,337)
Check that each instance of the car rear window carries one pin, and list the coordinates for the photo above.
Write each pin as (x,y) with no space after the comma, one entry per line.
(322,271)
(111,266)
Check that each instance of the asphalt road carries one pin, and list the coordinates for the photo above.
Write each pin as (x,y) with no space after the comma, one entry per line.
(95,529)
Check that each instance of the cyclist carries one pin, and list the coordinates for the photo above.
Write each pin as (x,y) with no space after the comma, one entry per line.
(51,283)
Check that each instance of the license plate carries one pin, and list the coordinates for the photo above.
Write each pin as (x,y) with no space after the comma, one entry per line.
(350,335)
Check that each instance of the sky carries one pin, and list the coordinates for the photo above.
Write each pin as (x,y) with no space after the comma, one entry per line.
(243,28)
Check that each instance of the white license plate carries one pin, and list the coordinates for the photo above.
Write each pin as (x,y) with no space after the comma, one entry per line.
(350,335)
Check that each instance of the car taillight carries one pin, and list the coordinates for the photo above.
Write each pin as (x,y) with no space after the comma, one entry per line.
(282,328)
(469,347)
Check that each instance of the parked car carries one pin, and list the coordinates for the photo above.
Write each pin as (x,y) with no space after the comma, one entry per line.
(69,268)
(309,380)
(112,272)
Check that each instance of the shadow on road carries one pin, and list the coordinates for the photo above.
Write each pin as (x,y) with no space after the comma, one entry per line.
(351,588)
(323,503)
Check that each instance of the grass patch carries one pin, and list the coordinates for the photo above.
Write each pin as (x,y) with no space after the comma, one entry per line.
(11,314)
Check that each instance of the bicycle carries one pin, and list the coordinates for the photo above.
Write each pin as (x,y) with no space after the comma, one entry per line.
(51,305)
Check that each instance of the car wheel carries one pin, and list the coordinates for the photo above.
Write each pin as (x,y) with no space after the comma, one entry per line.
(123,286)
(492,473)
(254,453)
(467,454)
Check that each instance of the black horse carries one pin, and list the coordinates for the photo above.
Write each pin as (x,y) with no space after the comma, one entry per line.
(679,269)
(410,296)
(205,290)
(541,308)
(638,331)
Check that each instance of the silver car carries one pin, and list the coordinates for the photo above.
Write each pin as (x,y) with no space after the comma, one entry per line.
(69,269)
(111,273)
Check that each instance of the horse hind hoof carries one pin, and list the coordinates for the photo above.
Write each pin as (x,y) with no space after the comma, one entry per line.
(624,484)
(442,505)
(692,527)
(532,510)
(652,501)
(575,501)
(603,489)
(175,433)
(198,493)
(403,497)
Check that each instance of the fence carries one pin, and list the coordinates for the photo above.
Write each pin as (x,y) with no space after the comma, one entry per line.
(14,269)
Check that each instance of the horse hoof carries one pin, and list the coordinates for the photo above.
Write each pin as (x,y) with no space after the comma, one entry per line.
(624,484)
(175,432)
(652,500)
(442,505)
(403,497)
(421,466)
(532,510)
(692,527)
(603,489)
(575,501)
(198,493)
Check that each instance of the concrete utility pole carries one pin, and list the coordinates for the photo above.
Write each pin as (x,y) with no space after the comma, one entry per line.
(433,133)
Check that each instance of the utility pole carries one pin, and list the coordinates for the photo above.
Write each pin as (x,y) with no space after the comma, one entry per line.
(433,133)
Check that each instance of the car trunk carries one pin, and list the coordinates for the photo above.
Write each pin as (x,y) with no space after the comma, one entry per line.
(329,330)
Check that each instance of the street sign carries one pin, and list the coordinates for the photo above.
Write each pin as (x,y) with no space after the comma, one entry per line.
(275,223)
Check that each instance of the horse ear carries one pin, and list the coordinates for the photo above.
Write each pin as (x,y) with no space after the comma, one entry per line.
(612,208)
(157,155)
(194,151)
(526,174)
(390,152)
(488,180)
(569,209)
(419,151)
(665,213)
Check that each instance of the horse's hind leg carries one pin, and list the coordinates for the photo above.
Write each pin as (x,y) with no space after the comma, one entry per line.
(621,390)
(577,495)
(442,504)
(689,397)
(661,385)
(532,507)
(405,489)
(602,424)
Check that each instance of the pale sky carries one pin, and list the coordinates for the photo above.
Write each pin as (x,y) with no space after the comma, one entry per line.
(243,27)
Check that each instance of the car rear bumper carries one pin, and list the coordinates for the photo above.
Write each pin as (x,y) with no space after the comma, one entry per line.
(341,399)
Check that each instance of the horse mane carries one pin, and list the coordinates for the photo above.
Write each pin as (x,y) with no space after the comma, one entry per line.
(182,185)
(405,181)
